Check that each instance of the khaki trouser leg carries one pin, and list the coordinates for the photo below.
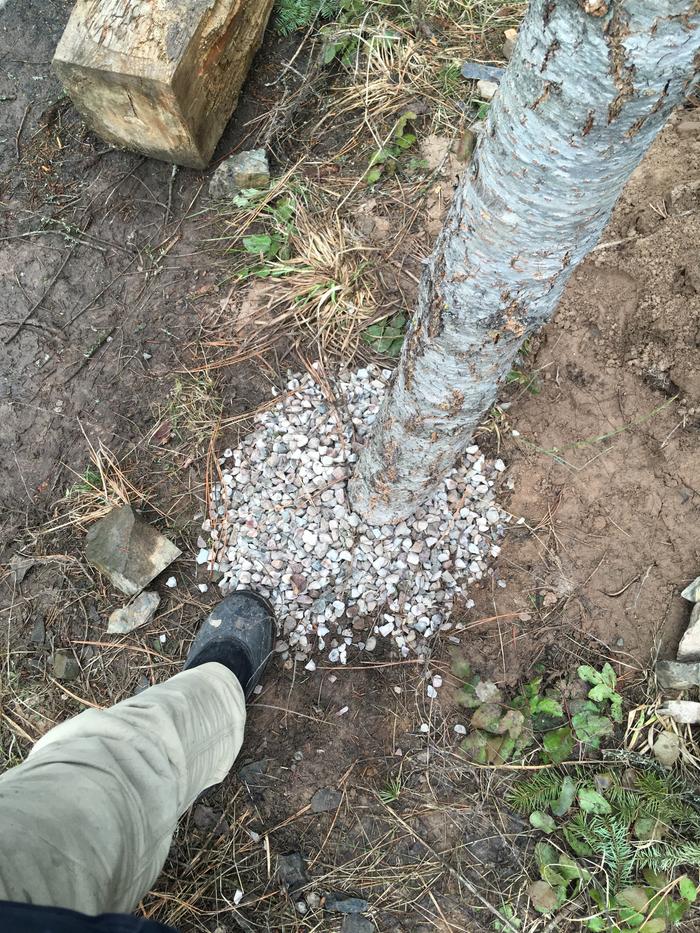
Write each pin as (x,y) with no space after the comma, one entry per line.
(87,820)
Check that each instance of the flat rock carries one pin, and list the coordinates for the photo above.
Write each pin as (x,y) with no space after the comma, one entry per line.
(689,648)
(242,171)
(128,551)
(692,591)
(65,667)
(667,749)
(38,636)
(475,71)
(354,923)
(486,89)
(134,615)
(20,566)
(208,820)
(682,711)
(325,800)
(343,904)
(676,675)
(291,871)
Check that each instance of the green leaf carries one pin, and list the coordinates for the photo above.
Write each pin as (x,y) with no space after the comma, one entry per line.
(546,706)
(589,674)
(545,854)
(655,925)
(591,801)
(330,51)
(570,870)
(566,797)
(544,897)
(687,889)
(608,675)
(258,243)
(488,717)
(373,176)
(631,917)
(591,727)
(600,693)
(474,746)
(542,821)
(558,744)
(597,924)
(634,897)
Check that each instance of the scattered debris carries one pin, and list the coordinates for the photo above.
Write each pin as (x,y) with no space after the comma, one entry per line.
(291,871)
(342,904)
(675,675)
(681,711)
(667,749)
(136,614)
(171,583)
(475,71)
(510,38)
(128,551)
(689,648)
(243,171)
(325,800)
(65,667)
(486,89)
(20,566)
(280,522)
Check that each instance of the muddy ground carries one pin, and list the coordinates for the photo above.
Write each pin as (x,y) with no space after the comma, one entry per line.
(106,275)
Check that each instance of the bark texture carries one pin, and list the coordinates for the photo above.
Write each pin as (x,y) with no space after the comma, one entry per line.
(588,88)
(160,76)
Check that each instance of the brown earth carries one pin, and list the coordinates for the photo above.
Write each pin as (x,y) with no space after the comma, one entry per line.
(603,468)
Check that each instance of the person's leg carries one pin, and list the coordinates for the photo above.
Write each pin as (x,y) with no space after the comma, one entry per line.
(87,820)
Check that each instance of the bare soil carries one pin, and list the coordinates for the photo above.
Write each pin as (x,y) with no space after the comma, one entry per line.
(106,277)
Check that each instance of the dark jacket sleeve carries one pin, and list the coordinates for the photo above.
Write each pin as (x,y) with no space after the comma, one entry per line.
(27,918)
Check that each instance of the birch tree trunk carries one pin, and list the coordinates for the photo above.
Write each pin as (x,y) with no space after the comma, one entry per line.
(589,86)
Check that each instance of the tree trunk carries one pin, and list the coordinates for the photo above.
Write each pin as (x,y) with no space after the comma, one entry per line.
(588,88)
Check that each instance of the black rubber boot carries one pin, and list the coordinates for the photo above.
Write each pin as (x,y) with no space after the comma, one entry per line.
(239,633)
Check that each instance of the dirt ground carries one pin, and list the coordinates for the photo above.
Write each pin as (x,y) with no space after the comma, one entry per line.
(108,280)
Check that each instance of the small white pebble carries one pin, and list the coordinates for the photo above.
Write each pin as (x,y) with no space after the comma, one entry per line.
(202,587)
(431,691)
(258,689)
(238,897)
(343,711)
(162,639)
(171,582)
(424,728)
(310,666)
(460,729)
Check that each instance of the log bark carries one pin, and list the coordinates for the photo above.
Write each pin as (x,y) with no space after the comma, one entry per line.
(589,86)
(161,77)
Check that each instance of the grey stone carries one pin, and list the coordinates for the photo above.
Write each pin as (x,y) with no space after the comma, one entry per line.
(291,871)
(675,675)
(134,615)
(65,667)
(475,71)
(342,904)
(128,551)
(354,923)
(249,169)
(689,648)
(325,800)
(208,820)
(20,566)
(38,636)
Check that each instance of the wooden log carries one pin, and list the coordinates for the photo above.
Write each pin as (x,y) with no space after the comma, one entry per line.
(161,77)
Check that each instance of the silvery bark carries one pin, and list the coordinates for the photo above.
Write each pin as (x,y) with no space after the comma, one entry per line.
(588,88)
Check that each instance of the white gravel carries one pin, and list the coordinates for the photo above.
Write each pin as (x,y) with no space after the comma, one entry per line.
(280,523)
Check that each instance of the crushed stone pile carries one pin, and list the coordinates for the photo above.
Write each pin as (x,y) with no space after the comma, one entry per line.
(280,523)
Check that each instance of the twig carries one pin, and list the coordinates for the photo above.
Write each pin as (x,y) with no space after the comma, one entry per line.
(21,127)
(37,304)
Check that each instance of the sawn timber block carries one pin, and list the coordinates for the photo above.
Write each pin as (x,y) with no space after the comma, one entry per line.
(161,77)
